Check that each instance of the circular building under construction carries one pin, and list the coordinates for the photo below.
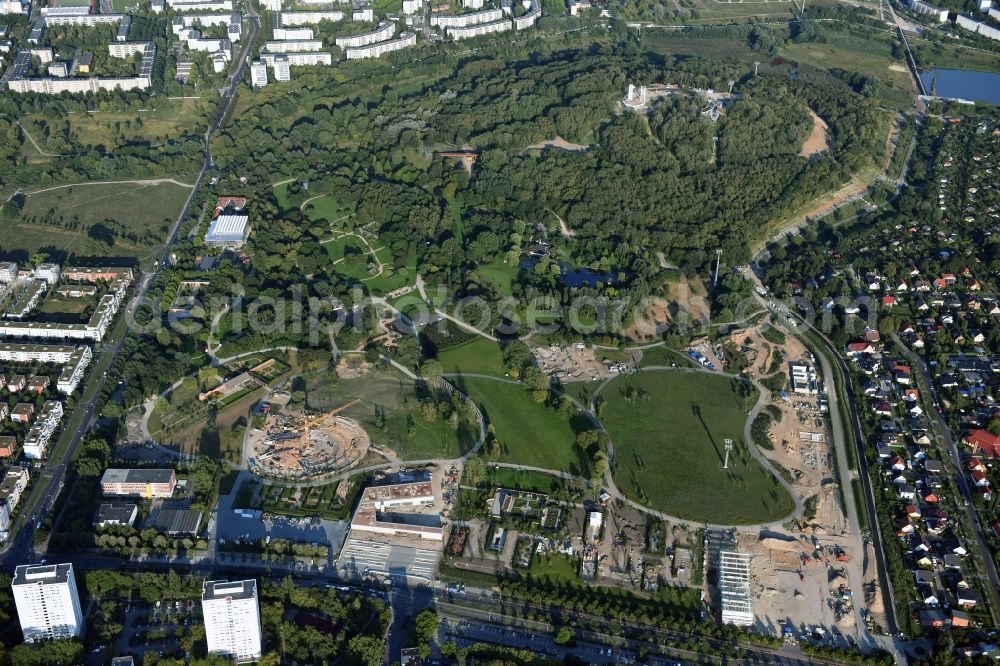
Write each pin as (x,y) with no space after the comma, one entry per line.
(300,447)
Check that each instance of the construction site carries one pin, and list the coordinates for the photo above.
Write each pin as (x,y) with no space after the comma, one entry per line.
(806,575)
(296,446)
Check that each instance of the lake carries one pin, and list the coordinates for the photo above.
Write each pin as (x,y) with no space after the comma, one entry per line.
(964,84)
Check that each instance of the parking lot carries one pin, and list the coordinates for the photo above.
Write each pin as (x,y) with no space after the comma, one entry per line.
(233,525)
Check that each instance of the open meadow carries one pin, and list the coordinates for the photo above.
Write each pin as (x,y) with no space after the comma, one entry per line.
(124,220)
(669,429)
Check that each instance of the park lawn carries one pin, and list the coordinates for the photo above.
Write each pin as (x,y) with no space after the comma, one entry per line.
(669,448)
(529,434)
(501,273)
(392,278)
(477,356)
(664,356)
(324,208)
(385,402)
(581,391)
(58,221)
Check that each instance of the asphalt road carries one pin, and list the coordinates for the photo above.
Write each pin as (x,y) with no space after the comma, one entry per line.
(18,549)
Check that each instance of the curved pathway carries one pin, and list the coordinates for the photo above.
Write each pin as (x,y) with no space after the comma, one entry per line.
(143,181)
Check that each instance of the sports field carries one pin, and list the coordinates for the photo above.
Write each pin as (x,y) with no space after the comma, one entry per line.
(669,430)
(388,405)
(529,434)
(117,220)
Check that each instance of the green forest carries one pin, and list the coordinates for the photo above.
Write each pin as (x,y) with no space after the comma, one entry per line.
(670,181)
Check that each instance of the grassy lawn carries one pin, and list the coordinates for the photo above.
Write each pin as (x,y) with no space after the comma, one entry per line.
(930,55)
(324,208)
(863,54)
(502,477)
(477,356)
(664,356)
(503,274)
(556,569)
(529,434)
(388,405)
(669,448)
(92,220)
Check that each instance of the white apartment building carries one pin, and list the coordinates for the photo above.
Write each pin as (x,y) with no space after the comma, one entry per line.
(529,18)
(411,7)
(384,31)
(363,14)
(290,19)
(201,5)
(291,34)
(462,20)
(298,59)
(472,4)
(272,5)
(73,359)
(465,32)
(47,601)
(293,45)
(36,442)
(15,480)
(13,7)
(258,74)
(232,619)
(405,40)
(82,19)
(280,65)
(8,272)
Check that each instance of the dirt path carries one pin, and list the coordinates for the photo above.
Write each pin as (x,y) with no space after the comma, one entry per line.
(147,181)
(560,143)
(563,228)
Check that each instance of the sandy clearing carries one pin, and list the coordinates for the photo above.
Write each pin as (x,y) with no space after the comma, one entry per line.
(816,143)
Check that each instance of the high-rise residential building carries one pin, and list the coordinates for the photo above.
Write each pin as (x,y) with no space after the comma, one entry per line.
(232,618)
(258,74)
(282,72)
(48,605)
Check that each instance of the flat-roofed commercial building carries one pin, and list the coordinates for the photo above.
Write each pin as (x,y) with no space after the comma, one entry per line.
(374,511)
(116,513)
(734,588)
(47,601)
(232,619)
(148,483)
(228,230)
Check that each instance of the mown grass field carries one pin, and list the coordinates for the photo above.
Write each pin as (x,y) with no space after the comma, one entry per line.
(669,448)
(530,434)
(59,221)
(388,403)
(477,356)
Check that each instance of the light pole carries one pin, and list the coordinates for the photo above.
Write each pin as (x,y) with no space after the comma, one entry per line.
(729,447)
(756,63)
